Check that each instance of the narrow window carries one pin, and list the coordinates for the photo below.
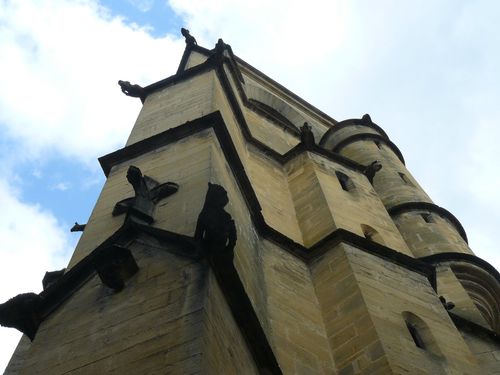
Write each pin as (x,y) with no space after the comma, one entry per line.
(378,144)
(415,335)
(371,234)
(421,335)
(405,179)
(428,218)
(344,181)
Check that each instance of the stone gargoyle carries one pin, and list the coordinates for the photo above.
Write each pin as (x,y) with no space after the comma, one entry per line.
(371,170)
(148,192)
(132,90)
(190,40)
(22,313)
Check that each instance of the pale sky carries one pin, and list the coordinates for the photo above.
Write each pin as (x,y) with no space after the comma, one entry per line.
(428,72)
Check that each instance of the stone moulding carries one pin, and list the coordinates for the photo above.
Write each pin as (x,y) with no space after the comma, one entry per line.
(480,279)
(273,115)
(352,122)
(473,328)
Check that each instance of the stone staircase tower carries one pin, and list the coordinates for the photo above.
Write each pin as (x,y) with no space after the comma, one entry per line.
(243,231)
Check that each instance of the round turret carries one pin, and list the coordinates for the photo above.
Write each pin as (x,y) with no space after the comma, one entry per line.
(427,228)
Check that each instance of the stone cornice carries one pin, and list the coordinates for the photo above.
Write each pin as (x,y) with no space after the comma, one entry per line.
(352,122)
(474,329)
(461,257)
(369,136)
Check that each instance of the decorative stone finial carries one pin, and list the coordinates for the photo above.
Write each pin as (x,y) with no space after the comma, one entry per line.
(215,228)
(371,170)
(190,40)
(129,89)
(148,192)
(115,266)
(366,119)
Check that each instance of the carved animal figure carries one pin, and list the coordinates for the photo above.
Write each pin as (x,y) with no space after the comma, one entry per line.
(447,305)
(148,192)
(129,89)
(215,227)
(21,312)
(190,40)
(372,169)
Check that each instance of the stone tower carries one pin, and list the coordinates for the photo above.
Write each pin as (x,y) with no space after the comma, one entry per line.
(243,231)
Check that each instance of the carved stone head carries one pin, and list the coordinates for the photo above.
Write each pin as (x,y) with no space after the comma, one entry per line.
(217,195)
(134,175)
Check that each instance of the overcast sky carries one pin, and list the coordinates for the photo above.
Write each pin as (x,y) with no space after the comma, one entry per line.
(428,72)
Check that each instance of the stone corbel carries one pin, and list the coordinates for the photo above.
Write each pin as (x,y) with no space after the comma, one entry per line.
(115,266)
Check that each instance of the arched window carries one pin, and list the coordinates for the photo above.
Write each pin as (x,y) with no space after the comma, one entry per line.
(273,115)
(420,334)
(415,335)
(405,179)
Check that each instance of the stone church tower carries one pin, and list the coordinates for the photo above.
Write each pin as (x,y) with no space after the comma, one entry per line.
(243,231)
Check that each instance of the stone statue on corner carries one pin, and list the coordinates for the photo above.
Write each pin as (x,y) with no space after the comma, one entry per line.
(215,228)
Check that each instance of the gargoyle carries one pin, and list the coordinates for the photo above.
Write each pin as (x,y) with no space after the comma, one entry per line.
(129,89)
(215,228)
(190,40)
(78,227)
(52,277)
(447,305)
(22,313)
(148,192)
(371,170)
(307,136)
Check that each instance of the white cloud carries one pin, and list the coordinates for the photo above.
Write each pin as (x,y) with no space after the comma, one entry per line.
(37,173)
(64,59)
(142,5)
(61,186)
(60,63)
(33,242)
